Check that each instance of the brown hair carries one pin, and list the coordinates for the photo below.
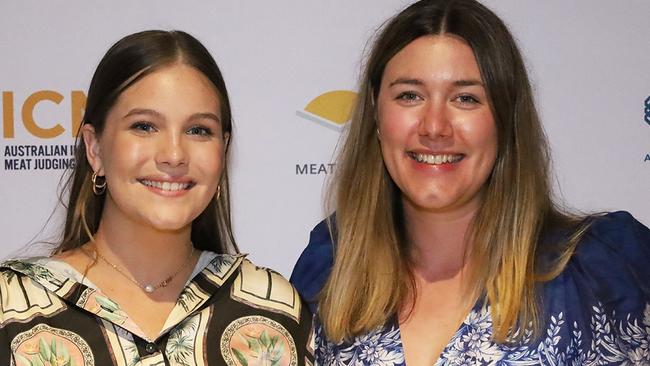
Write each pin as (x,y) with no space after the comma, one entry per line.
(126,62)
(371,278)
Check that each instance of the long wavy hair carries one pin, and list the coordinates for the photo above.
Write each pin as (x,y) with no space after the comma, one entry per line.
(126,62)
(372,279)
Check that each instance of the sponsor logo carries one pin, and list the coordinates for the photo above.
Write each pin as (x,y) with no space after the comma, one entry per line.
(331,109)
(38,157)
(315,168)
(647,120)
(42,129)
(32,117)
(647,110)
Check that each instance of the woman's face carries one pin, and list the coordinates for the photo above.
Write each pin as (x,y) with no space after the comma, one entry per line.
(437,133)
(162,150)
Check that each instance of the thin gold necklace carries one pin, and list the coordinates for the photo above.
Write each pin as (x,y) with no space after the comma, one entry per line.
(148,287)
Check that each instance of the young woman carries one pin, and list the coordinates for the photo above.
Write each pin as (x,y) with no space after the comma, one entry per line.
(147,272)
(448,247)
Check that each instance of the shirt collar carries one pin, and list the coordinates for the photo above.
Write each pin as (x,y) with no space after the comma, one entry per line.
(210,273)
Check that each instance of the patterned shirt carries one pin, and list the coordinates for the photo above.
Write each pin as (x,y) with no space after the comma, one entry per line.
(230,313)
(596,312)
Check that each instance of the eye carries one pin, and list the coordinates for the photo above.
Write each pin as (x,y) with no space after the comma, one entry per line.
(200,131)
(143,127)
(467,99)
(408,97)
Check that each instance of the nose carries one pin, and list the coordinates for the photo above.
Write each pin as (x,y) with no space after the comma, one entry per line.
(434,121)
(171,151)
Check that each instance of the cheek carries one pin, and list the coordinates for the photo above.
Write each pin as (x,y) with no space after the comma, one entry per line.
(478,131)
(483,138)
(124,155)
(489,138)
(210,160)
(394,126)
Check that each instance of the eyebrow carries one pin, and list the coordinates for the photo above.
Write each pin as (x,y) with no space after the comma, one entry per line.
(468,82)
(136,111)
(406,81)
(461,82)
(206,115)
(154,113)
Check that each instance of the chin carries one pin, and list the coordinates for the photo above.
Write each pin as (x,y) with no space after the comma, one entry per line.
(170,224)
(433,202)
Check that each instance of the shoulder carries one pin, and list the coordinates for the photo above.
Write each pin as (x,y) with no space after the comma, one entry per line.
(28,290)
(6,276)
(11,290)
(265,280)
(315,263)
(619,240)
(618,226)
(610,267)
(12,269)
(265,288)
(602,297)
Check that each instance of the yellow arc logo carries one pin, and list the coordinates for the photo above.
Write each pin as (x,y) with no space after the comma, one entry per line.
(331,109)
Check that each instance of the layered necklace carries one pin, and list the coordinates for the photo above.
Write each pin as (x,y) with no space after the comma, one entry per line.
(147,287)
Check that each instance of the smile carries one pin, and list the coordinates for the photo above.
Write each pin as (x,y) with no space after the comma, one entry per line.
(436,159)
(167,186)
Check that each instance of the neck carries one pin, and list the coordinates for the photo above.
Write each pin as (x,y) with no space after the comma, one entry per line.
(146,253)
(438,241)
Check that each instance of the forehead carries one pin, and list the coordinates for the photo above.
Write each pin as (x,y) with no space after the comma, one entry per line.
(177,82)
(434,56)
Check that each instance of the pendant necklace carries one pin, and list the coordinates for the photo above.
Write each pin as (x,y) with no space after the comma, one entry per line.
(147,287)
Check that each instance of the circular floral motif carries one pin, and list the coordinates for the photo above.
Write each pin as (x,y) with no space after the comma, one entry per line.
(257,340)
(45,345)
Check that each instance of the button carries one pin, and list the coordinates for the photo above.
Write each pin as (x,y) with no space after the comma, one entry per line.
(150,348)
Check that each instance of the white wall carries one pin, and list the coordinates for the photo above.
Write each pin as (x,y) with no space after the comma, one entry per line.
(588,62)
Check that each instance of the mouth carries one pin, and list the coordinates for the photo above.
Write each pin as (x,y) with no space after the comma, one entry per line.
(435,159)
(167,186)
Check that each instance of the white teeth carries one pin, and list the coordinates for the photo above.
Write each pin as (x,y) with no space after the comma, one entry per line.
(435,159)
(166,186)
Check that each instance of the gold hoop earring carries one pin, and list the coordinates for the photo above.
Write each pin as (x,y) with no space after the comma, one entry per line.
(218,191)
(378,134)
(98,189)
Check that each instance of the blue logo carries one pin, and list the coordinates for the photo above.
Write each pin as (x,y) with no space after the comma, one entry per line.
(647,110)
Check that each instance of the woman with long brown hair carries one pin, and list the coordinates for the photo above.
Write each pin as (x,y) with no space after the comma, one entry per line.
(147,271)
(448,247)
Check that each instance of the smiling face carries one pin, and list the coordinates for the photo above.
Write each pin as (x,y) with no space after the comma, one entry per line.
(161,151)
(437,133)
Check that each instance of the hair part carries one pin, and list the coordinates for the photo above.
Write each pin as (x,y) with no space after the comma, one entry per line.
(372,279)
(127,61)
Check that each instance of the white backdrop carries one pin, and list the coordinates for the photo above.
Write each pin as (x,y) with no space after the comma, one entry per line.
(588,62)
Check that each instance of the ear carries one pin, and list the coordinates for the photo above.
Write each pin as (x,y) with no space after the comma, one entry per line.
(226,141)
(375,107)
(93,152)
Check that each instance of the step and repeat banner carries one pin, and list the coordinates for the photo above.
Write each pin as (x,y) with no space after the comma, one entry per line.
(291,68)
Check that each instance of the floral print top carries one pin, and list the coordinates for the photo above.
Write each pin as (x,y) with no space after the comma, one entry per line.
(596,312)
(230,313)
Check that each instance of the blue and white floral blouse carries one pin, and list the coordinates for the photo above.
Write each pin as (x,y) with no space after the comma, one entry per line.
(597,310)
